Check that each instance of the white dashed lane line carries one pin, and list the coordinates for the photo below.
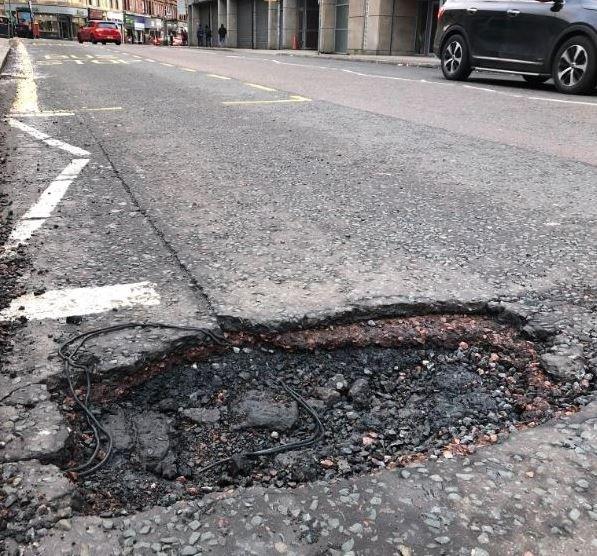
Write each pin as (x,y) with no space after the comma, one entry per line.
(260,87)
(419,80)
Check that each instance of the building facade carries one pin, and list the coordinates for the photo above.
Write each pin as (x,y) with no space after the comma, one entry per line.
(342,26)
(138,20)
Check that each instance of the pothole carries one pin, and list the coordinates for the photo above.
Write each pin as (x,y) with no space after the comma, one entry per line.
(387,392)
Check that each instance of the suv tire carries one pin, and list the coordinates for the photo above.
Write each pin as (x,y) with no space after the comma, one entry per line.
(575,66)
(455,60)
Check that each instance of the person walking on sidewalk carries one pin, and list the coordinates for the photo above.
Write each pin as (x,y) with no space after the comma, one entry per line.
(207,35)
(222,32)
(199,35)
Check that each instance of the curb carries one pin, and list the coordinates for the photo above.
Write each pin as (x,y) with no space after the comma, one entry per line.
(4,50)
(398,61)
(369,60)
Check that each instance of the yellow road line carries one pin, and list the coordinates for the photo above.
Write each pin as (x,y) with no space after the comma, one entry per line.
(260,87)
(293,98)
(215,76)
(26,93)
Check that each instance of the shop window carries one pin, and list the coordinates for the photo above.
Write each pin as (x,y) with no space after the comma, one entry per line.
(48,24)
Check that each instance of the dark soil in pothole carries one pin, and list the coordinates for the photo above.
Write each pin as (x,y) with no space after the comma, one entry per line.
(381,407)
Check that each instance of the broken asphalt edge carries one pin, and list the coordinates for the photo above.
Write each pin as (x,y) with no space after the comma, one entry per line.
(512,313)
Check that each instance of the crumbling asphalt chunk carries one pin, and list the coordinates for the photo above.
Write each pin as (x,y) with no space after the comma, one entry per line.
(28,433)
(202,416)
(262,409)
(33,496)
(565,363)
(152,438)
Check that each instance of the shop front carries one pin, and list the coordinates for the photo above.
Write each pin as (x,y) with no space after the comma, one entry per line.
(140,29)
(53,22)
(135,28)
(116,17)
(154,30)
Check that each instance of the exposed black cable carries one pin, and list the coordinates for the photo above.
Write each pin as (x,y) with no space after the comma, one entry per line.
(320,431)
(71,362)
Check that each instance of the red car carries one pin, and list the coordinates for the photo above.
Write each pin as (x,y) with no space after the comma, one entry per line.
(100,31)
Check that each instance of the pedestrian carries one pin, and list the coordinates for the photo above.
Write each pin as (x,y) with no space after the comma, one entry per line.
(199,35)
(185,37)
(207,35)
(222,32)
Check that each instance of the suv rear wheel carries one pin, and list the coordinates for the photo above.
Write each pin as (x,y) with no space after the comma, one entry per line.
(575,66)
(455,58)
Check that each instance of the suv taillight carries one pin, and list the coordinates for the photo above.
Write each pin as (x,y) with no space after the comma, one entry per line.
(440,12)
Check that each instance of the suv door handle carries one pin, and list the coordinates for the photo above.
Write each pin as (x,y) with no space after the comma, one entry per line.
(472,10)
(513,13)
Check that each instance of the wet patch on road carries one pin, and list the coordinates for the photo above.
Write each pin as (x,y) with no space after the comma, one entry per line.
(387,392)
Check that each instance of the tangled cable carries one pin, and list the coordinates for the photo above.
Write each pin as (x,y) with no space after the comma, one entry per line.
(71,362)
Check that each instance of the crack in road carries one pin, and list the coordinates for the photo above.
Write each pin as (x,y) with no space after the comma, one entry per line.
(194,284)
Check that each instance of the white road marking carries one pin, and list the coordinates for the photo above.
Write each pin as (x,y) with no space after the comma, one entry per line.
(149,60)
(293,98)
(260,87)
(36,216)
(57,304)
(167,65)
(418,80)
(216,76)
(45,114)
(47,139)
(189,69)
(486,89)
(580,102)
(52,113)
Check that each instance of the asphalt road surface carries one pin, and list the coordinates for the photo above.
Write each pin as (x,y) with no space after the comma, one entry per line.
(284,188)
(192,185)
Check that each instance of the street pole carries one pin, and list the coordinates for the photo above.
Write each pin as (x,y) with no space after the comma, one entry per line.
(10,25)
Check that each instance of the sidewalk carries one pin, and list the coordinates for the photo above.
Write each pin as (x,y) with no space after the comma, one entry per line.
(413,61)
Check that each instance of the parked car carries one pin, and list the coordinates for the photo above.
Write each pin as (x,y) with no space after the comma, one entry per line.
(536,39)
(100,31)
(4,27)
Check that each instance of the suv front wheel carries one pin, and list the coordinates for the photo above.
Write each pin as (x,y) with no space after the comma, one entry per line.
(456,65)
(575,66)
